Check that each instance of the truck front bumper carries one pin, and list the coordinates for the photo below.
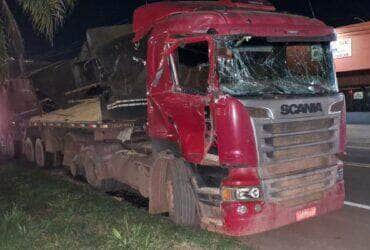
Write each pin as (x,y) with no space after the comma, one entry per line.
(273,215)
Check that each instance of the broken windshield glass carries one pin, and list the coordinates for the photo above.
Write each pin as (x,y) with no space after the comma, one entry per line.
(253,66)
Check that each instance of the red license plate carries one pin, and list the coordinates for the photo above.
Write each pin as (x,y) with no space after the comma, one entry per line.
(305,213)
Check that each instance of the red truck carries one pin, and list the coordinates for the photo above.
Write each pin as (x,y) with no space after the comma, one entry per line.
(224,114)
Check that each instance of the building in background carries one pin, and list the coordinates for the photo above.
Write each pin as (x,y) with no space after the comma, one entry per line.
(352,61)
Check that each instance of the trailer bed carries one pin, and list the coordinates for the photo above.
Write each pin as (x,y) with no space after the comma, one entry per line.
(87,111)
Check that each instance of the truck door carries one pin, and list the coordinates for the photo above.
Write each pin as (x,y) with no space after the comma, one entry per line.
(185,104)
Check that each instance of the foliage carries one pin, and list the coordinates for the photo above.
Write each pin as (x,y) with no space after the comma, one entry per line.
(10,37)
(40,211)
(11,29)
(47,15)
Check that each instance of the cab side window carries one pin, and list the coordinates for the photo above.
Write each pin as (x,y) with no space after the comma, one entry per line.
(193,68)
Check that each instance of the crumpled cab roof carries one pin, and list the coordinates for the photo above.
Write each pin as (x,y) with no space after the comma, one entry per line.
(191,17)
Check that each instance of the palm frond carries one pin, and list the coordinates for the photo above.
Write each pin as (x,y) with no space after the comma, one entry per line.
(11,41)
(11,29)
(47,15)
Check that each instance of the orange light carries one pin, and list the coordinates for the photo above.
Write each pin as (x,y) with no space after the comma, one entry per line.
(227,194)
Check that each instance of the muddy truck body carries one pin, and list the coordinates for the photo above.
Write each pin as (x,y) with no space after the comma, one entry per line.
(226,115)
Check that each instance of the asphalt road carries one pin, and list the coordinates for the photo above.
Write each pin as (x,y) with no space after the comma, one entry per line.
(348,228)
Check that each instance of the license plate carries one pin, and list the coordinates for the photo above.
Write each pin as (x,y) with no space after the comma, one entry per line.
(305,213)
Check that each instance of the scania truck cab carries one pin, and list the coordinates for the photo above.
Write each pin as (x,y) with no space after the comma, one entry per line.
(253,92)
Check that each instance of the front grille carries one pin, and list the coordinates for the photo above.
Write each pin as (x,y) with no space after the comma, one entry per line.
(304,187)
(296,139)
(298,126)
(277,170)
(297,158)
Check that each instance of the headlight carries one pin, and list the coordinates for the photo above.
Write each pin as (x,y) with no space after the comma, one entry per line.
(241,194)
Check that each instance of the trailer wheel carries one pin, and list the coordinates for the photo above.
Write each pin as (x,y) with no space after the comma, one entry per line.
(90,163)
(2,146)
(42,158)
(29,150)
(73,168)
(7,147)
(10,147)
(183,208)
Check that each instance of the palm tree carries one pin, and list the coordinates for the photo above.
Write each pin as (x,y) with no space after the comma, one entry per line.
(47,17)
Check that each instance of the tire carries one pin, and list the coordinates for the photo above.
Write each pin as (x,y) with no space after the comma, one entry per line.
(2,146)
(42,158)
(183,208)
(29,150)
(10,147)
(7,147)
(90,163)
(73,168)
(72,155)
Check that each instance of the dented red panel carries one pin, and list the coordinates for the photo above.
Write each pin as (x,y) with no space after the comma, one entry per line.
(147,16)
(186,117)
(235,136)
(173,115)
(236,22)
(242,177)
(175,18)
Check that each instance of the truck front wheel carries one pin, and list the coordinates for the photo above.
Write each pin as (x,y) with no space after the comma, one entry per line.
(183,208)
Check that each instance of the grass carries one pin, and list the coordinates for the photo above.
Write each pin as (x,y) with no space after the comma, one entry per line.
(41,211)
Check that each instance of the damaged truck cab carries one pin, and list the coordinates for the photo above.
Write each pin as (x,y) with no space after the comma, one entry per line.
(242,88)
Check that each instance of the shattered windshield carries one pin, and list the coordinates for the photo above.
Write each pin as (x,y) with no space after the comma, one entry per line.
(252,66)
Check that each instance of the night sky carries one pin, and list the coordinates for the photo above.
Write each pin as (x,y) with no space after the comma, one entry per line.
(93,13)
